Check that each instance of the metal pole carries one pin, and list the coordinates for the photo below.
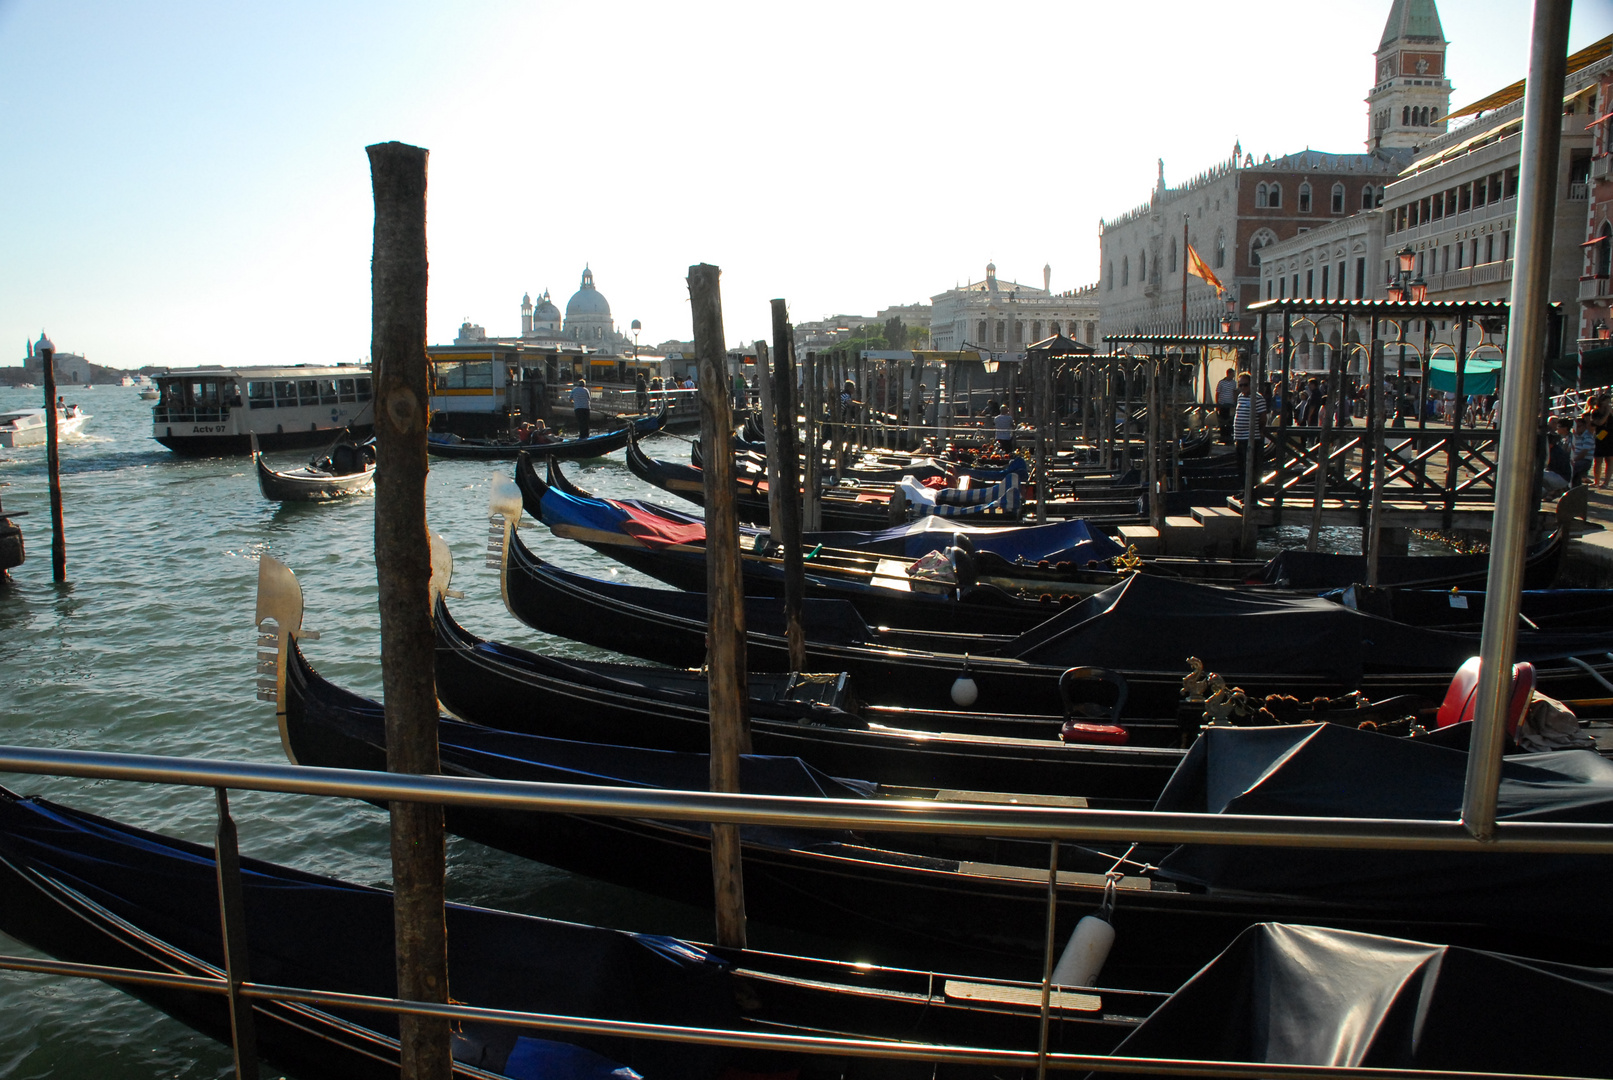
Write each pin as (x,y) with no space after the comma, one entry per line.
(403,574)
(1282,420)
(1454,447)
(787,528)
(1374,545)
(1333,387)
(1515,456)
(1047,957)
(1156,504)
(1251,468)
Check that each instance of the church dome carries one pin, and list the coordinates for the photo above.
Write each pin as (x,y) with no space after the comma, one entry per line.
(546,311)
(587,300)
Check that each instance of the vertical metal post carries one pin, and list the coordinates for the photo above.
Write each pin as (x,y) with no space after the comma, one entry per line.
(1515,457)
(1333,388)
(1047,957)
(1369,443)
(1156,504)
(1251,468)
(232,924)
(787,528)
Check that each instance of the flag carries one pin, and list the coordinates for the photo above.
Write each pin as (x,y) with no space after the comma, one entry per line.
(1196,267)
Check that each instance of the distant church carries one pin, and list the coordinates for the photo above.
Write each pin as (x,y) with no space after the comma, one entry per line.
(587,323)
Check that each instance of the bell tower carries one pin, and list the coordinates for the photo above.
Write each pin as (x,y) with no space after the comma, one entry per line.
(1410,96)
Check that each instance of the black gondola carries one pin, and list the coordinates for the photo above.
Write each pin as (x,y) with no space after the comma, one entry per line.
(1174,908)
(349,469)
(87,889)
(452,446)
(1146,628)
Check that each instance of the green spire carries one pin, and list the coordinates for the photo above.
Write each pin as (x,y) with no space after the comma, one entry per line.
(1412,19)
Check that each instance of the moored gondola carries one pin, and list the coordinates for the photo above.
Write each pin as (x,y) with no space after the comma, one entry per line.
(87,889)
(452,446)
(349,469)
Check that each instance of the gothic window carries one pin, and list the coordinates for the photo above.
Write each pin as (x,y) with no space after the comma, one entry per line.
(1405,116)
(981,331)
(1125,271)
(1002,328)
(1604,251)
(1036,331)
(1305,198)
(1172,267)
(1053,330)
(1341,279)
(1019,330)
(1220,248)
(1263,238)
(1274,197)
(1260,195)
(1092,331)
(1142,266)
(1111,281)
(1338,198)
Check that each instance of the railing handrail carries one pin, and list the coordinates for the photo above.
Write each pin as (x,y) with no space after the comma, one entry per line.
(899,815)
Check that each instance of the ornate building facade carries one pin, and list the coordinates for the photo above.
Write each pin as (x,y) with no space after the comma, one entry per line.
(587,323)
(1005,316)
(1410,96)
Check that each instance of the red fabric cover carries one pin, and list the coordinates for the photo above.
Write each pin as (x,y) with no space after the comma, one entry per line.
(935,481)
(658,532)
(1074,731)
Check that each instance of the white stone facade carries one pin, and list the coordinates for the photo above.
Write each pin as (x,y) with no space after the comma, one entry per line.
(1005,316)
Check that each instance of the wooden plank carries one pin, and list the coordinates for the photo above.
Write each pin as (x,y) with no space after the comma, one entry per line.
(1029,997)
(1066,877)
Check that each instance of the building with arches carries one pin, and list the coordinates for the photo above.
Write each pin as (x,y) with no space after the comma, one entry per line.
(1410,101)
(1005,316)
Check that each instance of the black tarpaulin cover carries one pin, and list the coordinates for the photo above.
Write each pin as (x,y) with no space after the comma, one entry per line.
(1152,623)
(1302,995)
(1330,770)
(1326,570)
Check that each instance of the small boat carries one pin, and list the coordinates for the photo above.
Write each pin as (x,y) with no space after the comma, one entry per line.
(349,469)
(28,427)
(149,393)
(452,446)
(87,889)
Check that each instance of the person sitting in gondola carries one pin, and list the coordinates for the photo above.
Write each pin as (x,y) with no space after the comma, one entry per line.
(538,433)
(346,458)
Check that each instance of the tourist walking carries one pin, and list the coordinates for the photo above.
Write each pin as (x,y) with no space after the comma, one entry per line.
(581,404)
(1226,395)
(641,393)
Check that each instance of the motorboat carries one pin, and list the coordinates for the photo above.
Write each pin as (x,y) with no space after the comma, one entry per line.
(27,427)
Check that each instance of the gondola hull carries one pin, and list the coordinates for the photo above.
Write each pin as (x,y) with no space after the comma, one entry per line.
(570,449)
(311,485)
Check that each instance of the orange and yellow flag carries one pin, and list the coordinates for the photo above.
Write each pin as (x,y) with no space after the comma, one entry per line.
(1196,267)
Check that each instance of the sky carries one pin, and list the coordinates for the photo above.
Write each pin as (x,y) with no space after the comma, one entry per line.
(186,183)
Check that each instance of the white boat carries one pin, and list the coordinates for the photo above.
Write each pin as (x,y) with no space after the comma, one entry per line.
(217,410)
(27,427)
(148,393)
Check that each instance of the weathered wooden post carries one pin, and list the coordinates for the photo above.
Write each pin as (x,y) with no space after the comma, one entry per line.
(810,447)
(1156,501)
(53,462)
(1254,445)
(403,572)
(787,525)
(725,599)
(1333,384)
(764,401)
(915,411)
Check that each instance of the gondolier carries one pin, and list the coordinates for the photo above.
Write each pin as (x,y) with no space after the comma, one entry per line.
(1248,421)
(580,402)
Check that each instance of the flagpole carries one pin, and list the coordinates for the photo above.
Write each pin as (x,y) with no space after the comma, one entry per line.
(1184,273)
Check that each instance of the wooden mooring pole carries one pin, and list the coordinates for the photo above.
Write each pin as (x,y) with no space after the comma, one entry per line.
(53,462)
(403,572)
(725,599)
(787,526)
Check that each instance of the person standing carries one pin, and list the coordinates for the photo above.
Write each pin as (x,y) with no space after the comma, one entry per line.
(1004,424)
(581,403)
(641,392)
(1601,422)
(1226,395)
(1248,421)
(1582,445)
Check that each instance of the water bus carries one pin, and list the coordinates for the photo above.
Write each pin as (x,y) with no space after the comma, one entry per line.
(216,410)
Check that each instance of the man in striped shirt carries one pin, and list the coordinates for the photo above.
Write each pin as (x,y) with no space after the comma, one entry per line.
(1248,421)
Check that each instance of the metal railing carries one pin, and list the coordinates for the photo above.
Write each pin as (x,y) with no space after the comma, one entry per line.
(1020,822)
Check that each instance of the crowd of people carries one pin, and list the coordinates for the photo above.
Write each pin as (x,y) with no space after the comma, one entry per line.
(1580,448)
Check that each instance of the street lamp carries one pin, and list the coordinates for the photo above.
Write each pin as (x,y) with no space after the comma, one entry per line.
(988,359)
(637,326)
(1229,318)
(1400,287)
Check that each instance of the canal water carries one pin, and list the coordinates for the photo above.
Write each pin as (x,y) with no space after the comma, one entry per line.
(150,648)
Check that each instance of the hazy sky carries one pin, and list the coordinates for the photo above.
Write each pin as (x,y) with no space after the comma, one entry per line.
(185,183)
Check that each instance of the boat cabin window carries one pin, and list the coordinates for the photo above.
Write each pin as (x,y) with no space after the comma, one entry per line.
(364,389)
(285,395)
(450,375)
(172,395)
(260,395)
(479,375)
(327,391)
(347,389)
(204,394)
(308,391)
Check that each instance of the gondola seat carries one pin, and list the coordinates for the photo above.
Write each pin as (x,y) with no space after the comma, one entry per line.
(1459,702)
(1090,721)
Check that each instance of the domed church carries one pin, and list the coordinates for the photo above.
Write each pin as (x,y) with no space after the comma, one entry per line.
(587,322)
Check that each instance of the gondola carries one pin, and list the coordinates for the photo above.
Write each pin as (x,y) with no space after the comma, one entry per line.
(1146,628)
(87,889)
(1174,908)
(452,446)
(348,470)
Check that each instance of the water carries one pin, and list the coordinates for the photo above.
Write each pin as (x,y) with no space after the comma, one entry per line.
(150,648)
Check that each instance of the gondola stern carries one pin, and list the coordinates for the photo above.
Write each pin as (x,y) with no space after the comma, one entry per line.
(278,617)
